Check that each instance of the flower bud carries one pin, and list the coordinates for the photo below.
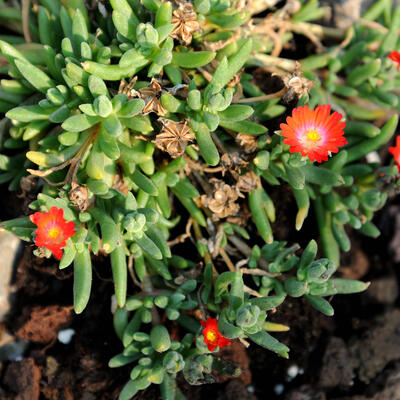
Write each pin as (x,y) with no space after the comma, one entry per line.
(216,101)
(320,271)
(134,222)
(247,315)
(147,36)
(173,362)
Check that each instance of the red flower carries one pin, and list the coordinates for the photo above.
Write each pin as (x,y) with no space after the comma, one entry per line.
(395,56)
(211,334)
(314,133)
(52,230)
(395,151)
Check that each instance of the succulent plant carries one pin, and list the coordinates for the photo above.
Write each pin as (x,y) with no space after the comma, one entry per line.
(146,128)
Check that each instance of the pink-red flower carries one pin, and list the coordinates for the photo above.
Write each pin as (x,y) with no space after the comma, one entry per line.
(395,151)
(52,230)
(211,334)
(314,133)
(395,57)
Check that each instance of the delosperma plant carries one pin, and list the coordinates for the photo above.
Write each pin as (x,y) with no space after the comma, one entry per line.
(146,129)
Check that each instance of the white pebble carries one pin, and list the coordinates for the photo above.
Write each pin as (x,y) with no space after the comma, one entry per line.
(293,371)
(65,335)
(278,389)
(373,157)
(114,304)
(102,10)
(15,358)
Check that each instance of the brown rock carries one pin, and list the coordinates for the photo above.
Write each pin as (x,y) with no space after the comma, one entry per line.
(44,323)
(22,378)
(358,265)
(384,290)
(337,366)
(236,390)
(238,355)
(392,387)
(306,392)
(378,347)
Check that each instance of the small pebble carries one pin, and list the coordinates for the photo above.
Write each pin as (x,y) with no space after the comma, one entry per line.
(65,335)
(15,358)
(102,10)
(373,157)
(250,389)
(114,304)
(292,371)
(278,389)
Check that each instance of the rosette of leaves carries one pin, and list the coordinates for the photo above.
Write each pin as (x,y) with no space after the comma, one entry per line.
(243,316)
(361,78)
(211,107)
(75,95)
(157,357)
(361,84)
(343,191)
(114,225)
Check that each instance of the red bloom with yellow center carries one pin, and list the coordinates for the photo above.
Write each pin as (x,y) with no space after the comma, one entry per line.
(395,56)
(395,151)
(314,133)
(52,230)
(211,334)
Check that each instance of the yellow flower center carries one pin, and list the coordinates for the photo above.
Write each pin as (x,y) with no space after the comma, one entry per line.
(313,135)
(54,233)
(211,336)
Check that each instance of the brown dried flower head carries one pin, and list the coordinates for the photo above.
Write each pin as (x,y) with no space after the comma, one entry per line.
(79,196)
(151,95)
(185,23)
(296,84)
(127,88)
(222,202)
(174,137)
(248,182)
(232,162)
(248,142)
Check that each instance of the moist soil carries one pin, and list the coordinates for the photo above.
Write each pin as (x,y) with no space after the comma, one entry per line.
(354,355)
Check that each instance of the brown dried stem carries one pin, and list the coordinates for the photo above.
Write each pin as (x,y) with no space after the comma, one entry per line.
(25,20)
(275,95)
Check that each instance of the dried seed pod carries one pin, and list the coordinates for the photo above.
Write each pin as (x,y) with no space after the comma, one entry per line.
(185,23)
(248,142)
(151,95)
(174,137)
(222,201)
(79,196)
(247,182)
(127,88)
(296,85)
(232,162)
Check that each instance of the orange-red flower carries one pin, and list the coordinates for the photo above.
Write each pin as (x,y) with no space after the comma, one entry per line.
(314,133)
(52,230)
(211,334)
(395,56)
(395,151)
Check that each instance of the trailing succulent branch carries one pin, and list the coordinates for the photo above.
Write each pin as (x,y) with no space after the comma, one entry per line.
(147,127)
